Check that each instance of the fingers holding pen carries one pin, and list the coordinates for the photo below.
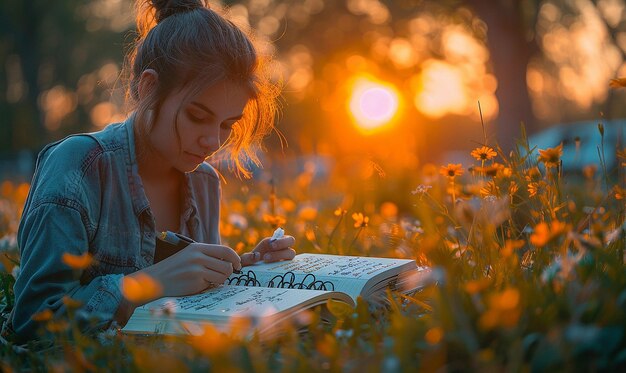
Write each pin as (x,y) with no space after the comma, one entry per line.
(222,257)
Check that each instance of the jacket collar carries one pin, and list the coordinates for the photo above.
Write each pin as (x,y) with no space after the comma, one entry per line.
(138,195)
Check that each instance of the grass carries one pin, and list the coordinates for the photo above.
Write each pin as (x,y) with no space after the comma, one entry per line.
(529,261)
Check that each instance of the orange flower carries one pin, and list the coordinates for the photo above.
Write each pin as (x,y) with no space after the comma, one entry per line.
(451,170)
(433,335)
(619,193)
(388,210)
(589,171)
(483,153)
(510,246)
(45,315)
(310,234)
(288,205)
(57,326)
(491,170)
(475,286)
(141,288)
(617,83)
(210,341)
(551,156)
(544,233)
(360,221)
(540,235)
(504,310)
(6,189)
(307,213)
(274,220)
(71,303)
(78,261)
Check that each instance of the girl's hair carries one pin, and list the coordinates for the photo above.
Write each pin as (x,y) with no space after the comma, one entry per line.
(190,45)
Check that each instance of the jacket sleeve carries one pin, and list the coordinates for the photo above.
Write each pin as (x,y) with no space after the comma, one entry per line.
(47,231)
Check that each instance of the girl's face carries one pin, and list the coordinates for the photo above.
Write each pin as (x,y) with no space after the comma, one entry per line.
(204,124)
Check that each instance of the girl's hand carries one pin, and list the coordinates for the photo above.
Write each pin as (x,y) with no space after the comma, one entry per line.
(270,251)
(193,269)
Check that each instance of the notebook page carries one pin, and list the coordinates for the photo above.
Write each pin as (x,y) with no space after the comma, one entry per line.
(225,301)
(347,274)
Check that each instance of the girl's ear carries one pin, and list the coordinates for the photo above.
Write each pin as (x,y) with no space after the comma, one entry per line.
(148,82)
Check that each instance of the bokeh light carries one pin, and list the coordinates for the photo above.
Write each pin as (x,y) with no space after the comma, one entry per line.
(373,104)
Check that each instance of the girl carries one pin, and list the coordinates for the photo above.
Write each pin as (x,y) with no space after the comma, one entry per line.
(198,87)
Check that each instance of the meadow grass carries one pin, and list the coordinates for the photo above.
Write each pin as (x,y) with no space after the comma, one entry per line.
(528,269)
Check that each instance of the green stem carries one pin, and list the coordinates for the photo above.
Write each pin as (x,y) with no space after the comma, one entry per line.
(332,233)
(355,238)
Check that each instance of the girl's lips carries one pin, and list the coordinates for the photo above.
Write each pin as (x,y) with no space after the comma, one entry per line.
(197,159)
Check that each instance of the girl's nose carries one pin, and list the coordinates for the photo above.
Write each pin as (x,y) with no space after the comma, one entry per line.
(210,142)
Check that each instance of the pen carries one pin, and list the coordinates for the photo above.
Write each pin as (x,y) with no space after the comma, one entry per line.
(180,242)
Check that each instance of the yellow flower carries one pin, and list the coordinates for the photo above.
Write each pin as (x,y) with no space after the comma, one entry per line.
(483,153)
(77,261)
(533,174)
(339,211)
(533,189)
(451,170)
(140,288)
(551,156)
(513,187)
(360,221)
(490,189)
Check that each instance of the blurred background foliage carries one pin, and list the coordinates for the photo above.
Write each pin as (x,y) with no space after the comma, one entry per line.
(536,62)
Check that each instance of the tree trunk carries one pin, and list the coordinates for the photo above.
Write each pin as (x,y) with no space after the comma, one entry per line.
(510,54)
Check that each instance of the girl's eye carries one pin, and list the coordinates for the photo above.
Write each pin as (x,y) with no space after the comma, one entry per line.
(196,118)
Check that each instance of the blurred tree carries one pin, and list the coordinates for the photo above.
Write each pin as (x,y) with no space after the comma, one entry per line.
(511,42)
(551,60)
(46,48)
(566,51)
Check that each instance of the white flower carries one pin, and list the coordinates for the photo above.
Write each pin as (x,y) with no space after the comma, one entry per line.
(421,189)
(238,220)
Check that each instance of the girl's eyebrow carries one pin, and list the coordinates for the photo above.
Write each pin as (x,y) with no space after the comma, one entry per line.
(210,112)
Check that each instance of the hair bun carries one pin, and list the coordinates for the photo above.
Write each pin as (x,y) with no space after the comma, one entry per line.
(166,8)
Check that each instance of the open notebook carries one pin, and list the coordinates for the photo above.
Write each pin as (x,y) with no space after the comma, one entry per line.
(269,293)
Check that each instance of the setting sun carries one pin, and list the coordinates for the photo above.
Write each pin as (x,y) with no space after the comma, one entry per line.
(373,104)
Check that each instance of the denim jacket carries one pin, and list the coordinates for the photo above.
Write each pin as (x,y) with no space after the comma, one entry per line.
(87,196)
